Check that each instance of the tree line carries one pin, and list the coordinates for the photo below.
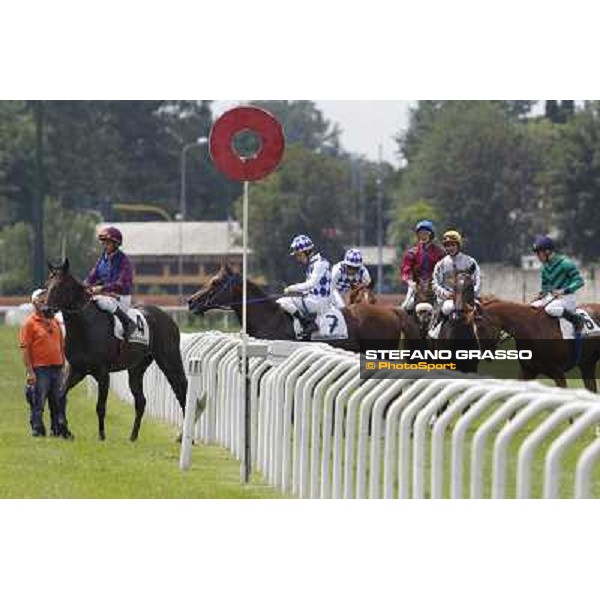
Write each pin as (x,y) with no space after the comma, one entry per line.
(501,174)
(499,171)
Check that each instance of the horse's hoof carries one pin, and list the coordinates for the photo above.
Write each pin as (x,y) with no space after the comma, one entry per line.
(133,438)
(101,437)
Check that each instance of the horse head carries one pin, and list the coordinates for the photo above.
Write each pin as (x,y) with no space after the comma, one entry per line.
(221,291)
(362,294)
(64,292)
(464,296)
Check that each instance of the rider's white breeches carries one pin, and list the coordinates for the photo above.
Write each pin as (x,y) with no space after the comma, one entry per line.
(447,306)
(291,304)
(110,304)
(337,299)
(556,307)
(409,300)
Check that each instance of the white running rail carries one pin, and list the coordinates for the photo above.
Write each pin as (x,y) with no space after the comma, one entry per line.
(319,431)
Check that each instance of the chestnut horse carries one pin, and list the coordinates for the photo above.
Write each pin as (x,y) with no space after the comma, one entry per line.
(535,330)
(415,326)
(362,294)
(369,326)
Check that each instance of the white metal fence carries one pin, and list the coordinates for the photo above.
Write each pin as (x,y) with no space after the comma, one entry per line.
(319,431)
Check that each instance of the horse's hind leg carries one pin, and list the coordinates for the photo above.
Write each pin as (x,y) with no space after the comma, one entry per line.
(588,374)
(136,385)
(172,367)
(103,379)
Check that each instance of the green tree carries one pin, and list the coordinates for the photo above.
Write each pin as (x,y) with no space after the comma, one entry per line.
(16,156)
(421,120)
(15,258)
(477,168)
(559,111)
(306,194)
(75,231)
(303,123)
(577,183)
(402,232)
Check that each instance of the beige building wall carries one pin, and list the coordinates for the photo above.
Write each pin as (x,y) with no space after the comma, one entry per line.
(518,285)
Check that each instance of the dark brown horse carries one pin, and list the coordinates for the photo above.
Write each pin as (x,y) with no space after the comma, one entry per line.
(535,330)
(369,326)
(459,331)
(92,349)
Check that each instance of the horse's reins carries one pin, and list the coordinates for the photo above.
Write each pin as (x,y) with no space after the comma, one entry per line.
(226,285)
(73,311)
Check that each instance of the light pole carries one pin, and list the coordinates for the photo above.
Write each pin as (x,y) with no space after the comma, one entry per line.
(380,224)
(183,210)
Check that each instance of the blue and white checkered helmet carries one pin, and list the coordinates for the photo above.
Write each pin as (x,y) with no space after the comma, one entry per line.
(353,258)
(301,243)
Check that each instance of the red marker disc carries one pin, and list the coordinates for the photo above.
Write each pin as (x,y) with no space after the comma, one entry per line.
(264,125)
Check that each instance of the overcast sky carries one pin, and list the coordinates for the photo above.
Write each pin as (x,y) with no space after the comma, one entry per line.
(365,123)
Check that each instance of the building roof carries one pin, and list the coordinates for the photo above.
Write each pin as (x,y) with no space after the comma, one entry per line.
(202,238)
(162,238)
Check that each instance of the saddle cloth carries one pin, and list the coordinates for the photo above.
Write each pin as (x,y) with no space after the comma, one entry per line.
(590,327)
(141,335)
(434,332)
(331,324)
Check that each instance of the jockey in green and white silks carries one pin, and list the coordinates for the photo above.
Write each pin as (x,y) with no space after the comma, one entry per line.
(348,273)
(560,280)
(446,270)
(314,293)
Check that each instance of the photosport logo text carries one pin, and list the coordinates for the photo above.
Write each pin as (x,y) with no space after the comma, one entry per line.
(396,363)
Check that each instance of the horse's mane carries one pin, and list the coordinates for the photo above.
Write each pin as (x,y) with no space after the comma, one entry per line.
(255,291)
(489,300)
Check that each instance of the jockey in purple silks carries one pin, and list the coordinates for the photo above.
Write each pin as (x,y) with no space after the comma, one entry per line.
(111,280)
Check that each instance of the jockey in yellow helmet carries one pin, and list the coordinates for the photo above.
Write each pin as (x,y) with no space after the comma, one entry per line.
(445,271)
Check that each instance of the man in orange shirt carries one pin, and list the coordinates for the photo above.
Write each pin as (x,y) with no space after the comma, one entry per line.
(42,345)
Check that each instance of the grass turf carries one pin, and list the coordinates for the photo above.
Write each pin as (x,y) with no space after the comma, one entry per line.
(87,468)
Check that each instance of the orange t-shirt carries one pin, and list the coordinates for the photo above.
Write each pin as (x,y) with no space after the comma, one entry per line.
(44,340)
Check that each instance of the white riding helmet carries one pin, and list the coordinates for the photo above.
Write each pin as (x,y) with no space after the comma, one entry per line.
(353,258)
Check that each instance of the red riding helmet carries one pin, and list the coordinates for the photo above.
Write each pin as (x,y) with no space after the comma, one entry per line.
(112,234)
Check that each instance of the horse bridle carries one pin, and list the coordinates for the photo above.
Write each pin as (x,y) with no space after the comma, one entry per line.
(226,284)
(73,311)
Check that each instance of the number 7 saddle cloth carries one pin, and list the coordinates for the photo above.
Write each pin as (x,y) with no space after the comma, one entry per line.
(331,324)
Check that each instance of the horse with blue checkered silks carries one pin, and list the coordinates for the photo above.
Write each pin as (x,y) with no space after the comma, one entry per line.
(92,349)
(369,325)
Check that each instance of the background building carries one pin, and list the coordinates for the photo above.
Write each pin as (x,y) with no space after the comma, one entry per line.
(156,247)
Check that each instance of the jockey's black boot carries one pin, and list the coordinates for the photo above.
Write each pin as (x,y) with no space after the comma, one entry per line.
(574,318)
(310,324)
(128,325)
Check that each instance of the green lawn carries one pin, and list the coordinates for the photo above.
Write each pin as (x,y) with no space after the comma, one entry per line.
(86,468)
